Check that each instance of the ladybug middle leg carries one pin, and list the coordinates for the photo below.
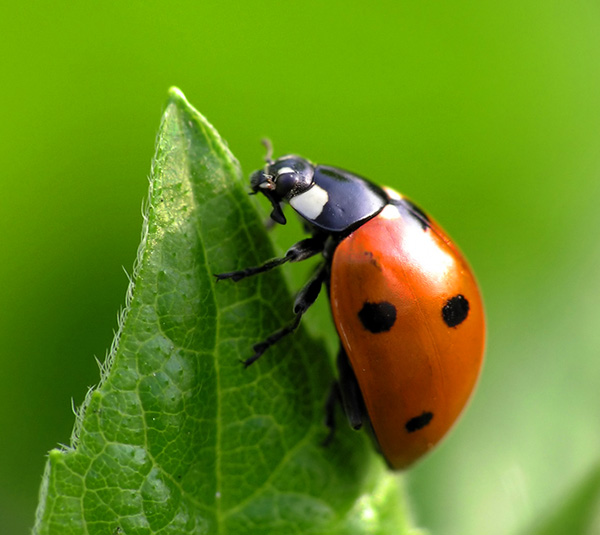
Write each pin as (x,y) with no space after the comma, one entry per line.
(304,300)
(306,296)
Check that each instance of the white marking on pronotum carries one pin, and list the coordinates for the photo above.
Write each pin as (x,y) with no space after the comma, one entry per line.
(285,170)
(310,203)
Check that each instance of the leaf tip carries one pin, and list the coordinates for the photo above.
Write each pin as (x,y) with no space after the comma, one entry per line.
(177,99)
(176,95)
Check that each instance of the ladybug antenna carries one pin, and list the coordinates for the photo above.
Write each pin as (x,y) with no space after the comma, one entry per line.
(269,147)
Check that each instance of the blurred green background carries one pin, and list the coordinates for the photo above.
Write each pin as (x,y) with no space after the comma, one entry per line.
(486,113)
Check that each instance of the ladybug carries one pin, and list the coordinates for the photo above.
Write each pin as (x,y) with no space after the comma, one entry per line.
(404,301)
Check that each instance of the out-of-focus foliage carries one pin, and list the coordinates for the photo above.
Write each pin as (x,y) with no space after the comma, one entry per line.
(487,114)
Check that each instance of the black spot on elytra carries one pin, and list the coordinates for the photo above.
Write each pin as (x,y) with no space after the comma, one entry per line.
(372,260)
(418,422)
(377,317)
(455,311)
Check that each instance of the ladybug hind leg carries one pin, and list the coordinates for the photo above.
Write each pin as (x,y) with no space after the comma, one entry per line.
(347,392)
(305,298)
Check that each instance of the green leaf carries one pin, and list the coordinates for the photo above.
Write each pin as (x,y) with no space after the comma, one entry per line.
(178,437)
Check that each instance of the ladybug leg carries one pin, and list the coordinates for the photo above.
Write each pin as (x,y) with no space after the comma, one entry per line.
(352,399)
(296,253)
(305,298)
(346,391)
(333,399)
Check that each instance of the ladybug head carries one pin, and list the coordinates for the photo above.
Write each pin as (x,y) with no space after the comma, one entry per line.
(281,180)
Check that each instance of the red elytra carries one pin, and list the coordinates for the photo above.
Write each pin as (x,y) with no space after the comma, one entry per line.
(416,376)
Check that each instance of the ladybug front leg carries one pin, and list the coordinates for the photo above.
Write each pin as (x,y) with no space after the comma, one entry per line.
(305,298)
(346,391)
(296,253)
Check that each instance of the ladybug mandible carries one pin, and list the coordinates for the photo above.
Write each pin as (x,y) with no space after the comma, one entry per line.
(405,303)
